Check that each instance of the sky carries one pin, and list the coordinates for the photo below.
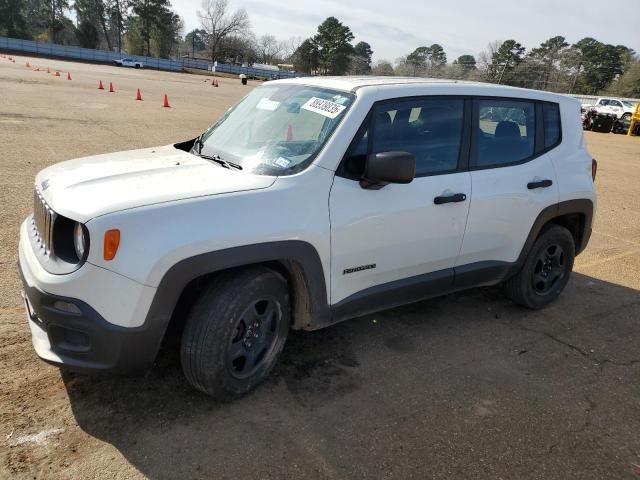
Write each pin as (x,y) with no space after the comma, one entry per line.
(396,27)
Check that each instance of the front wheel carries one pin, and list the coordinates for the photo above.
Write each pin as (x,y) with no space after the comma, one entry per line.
(545,271)
(626,117)
(235,332)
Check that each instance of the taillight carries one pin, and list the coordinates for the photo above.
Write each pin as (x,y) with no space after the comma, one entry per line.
(594,169)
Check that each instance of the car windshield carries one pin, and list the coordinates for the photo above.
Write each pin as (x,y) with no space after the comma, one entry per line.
(277,129)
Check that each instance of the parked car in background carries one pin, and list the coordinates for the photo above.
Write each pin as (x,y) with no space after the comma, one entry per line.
(622,109)
(128,62)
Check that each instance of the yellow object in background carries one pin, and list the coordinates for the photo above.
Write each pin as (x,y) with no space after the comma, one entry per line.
(635,120)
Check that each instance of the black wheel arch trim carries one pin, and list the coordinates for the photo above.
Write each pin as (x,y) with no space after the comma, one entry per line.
(299,259)
(569,207)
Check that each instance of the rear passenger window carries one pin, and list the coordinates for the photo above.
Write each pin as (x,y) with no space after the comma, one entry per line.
(430,129)
(551,116)
(505,132)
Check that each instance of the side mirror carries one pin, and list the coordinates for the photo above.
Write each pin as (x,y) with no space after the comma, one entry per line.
(388,167)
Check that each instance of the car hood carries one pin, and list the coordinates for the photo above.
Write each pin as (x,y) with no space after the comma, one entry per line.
(88,187)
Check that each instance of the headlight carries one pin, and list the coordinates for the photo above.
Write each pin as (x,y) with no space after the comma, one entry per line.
(79,241)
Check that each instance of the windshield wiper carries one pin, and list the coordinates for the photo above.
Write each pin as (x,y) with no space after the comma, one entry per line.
(218,159)
(198,144)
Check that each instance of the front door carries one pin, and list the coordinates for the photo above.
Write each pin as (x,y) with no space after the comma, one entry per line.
(383,237)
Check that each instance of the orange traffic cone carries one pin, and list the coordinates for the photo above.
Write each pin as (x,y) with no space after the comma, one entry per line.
(217,83)
(138,95)
(289,133)
(213,82)
(37,69)
(57,74)
(100,87)
(68,75)
(48,70)
(27,65)
(166,101)
(111,90)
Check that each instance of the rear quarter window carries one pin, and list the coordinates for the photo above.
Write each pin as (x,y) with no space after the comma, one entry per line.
(551,117)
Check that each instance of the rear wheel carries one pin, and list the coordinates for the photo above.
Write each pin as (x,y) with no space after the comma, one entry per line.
(235,332)
(626,117)
(546,269)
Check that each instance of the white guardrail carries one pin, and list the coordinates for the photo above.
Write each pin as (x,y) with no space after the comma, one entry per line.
(104,56)
(79,53)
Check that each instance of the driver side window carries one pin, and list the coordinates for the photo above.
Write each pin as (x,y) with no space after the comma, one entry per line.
(431,129)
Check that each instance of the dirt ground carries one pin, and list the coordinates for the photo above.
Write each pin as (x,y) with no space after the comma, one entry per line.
(465,386)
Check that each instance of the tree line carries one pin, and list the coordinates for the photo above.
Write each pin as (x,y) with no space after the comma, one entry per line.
(586,67)
(151,27)
(145,27)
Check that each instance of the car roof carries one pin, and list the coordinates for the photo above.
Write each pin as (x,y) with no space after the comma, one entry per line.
(355,83)
(351,83)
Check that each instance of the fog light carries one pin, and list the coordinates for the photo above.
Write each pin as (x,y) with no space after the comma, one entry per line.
(66,307)
(76,340)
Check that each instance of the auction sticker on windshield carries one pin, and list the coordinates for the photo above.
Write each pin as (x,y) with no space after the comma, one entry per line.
(323,107)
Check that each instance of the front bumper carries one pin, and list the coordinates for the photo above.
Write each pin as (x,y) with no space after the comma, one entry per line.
(79,339)
(107,331)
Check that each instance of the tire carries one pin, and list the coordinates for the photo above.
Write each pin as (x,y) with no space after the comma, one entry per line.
(546,269)
(626,117)
(235,332)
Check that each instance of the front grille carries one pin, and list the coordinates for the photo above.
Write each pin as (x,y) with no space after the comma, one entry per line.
(43,220)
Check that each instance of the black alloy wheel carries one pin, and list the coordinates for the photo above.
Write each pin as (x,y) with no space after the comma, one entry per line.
(255,335)
(549,269)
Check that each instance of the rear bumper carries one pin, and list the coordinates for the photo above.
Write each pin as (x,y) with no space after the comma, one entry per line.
(69,333)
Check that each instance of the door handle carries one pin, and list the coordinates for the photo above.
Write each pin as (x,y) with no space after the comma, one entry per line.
(457,197)
(539,184)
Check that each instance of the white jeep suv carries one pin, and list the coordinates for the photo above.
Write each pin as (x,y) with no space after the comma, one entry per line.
(311,201)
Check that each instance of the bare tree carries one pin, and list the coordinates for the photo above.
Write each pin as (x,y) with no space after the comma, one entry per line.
(118,11)
(219,23)
(289,47)
(269,48)
(485,58)
(383,67)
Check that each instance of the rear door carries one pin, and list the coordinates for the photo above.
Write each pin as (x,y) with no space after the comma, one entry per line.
(512,177)
(380,237)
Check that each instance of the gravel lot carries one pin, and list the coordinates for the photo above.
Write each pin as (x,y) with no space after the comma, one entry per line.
(466,386)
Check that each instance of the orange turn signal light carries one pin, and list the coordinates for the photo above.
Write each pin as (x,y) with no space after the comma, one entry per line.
(111,243)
